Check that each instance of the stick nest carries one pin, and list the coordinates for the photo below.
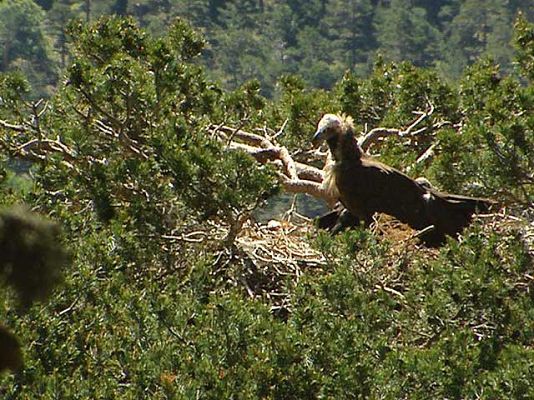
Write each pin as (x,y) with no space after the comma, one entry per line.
(268,260)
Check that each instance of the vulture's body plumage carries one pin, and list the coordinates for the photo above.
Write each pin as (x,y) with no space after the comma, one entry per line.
(365,186)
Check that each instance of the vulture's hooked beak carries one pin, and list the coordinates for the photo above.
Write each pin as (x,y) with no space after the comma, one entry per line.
(329,125)
(319,136)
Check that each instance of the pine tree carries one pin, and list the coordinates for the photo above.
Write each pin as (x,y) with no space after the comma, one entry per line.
(480,27)
(59,16)
(316,60)
(350,32)
(248,52)
(404,33)
(24,44)
(196,12)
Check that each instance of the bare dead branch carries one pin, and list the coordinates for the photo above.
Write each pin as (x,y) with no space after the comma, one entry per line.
(264,155)
(13,127)
(295,177)
(427,154)
(309,173)
(314,189)
(105,129)
(131,145)
(46,145)
(247,137)
(421,118)
(289,164)
(377,133)
(280,131)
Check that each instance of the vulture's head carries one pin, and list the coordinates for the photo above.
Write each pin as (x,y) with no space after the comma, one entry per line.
(329,126)
(332,126)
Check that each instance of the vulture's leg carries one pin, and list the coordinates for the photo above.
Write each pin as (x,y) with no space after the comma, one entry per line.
(337,220)
(434,238)
(328,220)
(345,221)
(364,217)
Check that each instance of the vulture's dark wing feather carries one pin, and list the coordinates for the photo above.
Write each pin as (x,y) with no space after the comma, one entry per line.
(370,186)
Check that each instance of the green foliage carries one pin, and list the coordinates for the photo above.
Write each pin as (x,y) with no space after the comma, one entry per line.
(31,262)
(524,44)
(24,45)
(478,28)
(495,148)
(405,33)
(374,326)
(301,108)
(349,33)
(144,92)
(265,39)
(11,355)
(423,328)
(137,177)
(15,89)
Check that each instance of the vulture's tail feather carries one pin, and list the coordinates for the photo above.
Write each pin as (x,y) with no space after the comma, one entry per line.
(470,204)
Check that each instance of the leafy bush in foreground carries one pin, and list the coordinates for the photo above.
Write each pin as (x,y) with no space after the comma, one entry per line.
(456,326)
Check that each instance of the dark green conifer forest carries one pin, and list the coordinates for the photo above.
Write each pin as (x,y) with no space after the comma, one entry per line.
(152,242)
(263,39)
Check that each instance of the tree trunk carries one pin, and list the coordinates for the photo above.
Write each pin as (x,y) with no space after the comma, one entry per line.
(88,10)
(5,56)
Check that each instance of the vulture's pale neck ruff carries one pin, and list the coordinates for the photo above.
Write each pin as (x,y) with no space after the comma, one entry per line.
(329,179)
(338,132)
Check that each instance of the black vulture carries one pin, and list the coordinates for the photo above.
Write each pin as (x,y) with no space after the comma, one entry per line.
(365,186)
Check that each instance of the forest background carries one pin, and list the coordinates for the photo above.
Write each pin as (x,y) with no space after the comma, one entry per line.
(317,39)
(132,261)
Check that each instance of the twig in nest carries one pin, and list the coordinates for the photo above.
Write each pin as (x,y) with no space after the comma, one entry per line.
(289,213)
(280,131)
(417,234)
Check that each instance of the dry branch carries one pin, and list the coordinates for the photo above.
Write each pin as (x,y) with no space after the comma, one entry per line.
(308,187)
(377,133)
(13,127)
(427,154)
(36,147)
(295,177)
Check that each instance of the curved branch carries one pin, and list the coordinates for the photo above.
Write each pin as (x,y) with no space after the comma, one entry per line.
(13,127)
(248,137)
(54,146)
(295,177)
(314,189)
(274,153)
(375,134)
